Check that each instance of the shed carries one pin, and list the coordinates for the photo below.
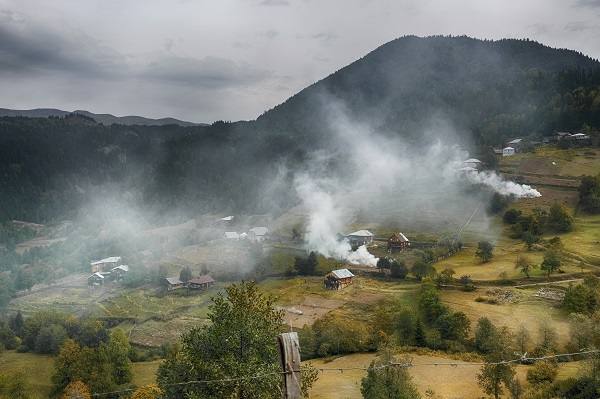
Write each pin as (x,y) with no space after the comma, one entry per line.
(230,236)
(201,283)
(173,283)
(397,242)
(360,237)
(338,279)
(516,143)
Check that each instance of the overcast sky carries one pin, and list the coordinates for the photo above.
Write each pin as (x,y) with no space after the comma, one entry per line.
(208,60)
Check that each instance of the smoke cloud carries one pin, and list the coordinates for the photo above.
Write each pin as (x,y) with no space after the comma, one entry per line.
(390,181)
(501,186)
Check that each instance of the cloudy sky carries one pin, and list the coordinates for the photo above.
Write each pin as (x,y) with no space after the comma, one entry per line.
(208,60)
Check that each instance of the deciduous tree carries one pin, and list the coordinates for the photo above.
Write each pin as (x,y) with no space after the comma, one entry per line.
(384,381)
(238,345)
(485,251)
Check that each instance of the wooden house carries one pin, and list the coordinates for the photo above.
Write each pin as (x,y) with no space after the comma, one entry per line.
(201,283)
(173,283)
(338,279)
(397,242)
(361,237)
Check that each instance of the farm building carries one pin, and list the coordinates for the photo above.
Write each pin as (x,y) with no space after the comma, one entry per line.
(258,234)
(173,283)
(201,283)
(338,279)
(397,242)
(230,236)
(508,151)
(516,143)
(361,237)
(95,279)
(104,264)
(119,272)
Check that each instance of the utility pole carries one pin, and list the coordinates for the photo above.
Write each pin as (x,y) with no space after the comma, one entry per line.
(289,353)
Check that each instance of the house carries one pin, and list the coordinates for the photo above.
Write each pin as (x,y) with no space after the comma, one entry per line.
(173,283)
(95,279)
(201,283)
(105,264)
(562,135)
(258,234)
(508,151)
(119,272)
(338,279)
(472,163)
(226,221)
(397,242)
(580,136)
(230,236)
(516,143)
(361,237)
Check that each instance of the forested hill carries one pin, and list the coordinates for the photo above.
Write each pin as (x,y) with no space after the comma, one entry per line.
(488,91)
(492,89)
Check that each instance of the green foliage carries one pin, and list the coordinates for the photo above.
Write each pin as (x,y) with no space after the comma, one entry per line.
(542,373)
(552,260)
(589,193)
(511,216)
(306,266)
(422,268)
(14,385)
(445,277)
(524,264)
(496,372)
(238,344)
(485,333)
(384,381)
(485,251)
(430,302)
(559,219)
(185,274)
(398,269)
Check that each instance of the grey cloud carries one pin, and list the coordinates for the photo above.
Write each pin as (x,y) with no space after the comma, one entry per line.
(274,3)
(26,48)
(208,73)
(587,3)
(577,26)
(325,37)
(269,34)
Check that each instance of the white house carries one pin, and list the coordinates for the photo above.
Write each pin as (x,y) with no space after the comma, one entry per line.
(508,151)
(361,237)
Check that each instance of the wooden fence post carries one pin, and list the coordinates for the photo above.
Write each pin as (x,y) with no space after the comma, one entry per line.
(289,353)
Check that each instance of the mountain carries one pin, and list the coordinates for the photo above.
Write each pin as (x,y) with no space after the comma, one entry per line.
(483,91)
(404,84)
(106,119)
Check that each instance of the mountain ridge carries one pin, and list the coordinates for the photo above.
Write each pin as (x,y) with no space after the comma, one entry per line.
(106,119)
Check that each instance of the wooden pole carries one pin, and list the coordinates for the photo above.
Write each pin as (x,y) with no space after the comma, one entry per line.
(289,353)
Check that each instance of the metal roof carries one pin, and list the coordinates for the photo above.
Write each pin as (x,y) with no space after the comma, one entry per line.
(361,233)
(342,273)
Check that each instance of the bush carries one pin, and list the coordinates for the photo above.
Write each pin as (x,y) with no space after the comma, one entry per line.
(469,287)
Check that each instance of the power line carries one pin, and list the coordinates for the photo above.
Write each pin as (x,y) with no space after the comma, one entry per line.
(519,359)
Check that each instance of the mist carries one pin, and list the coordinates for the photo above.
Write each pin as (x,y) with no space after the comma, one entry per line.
(391,182)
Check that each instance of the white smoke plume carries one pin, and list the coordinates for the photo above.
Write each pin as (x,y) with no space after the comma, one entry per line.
(501,186)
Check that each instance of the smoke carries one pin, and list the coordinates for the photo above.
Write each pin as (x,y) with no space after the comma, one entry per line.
(370,178)
(501,186)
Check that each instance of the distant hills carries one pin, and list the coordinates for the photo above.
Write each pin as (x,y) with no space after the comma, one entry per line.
(106,119)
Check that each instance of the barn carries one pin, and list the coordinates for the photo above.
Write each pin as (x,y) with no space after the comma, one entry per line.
(397,242)
(338,279)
